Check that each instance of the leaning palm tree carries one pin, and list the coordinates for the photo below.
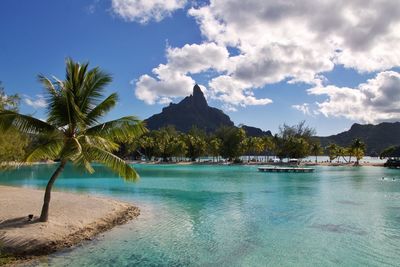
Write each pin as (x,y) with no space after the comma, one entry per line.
(74,131)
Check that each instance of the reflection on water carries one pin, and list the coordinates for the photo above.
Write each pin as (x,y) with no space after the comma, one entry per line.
(237,216)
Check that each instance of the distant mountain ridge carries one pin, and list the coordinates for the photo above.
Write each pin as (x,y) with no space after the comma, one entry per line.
(376,137)
(192,111)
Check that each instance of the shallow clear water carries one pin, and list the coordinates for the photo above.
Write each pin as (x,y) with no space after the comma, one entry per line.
(237,216)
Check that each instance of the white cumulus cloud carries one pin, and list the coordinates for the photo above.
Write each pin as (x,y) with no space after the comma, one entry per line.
(167,84)
(143,11)
(375,101)
(172,79)
(38,102)
(304,108)
(197,58)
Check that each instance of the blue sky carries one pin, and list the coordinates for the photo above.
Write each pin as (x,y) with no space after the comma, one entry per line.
(256,70)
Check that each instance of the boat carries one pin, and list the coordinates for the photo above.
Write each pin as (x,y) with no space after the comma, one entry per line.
(286,169)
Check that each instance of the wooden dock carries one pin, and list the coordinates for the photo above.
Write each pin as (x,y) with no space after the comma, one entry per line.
(285,169)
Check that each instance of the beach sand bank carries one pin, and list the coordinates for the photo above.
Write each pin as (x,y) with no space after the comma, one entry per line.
(72,219)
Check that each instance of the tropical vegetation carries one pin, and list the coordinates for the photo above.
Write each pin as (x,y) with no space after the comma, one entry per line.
(74,131)
(12,142)
(356,149)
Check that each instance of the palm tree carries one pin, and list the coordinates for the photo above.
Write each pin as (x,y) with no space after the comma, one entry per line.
(258,146)
(332,151)
(179,147)
(269,145)
(214,146)
(147,145)
(316,150)
(164,139)
(196,146)
(232,142)
(358,148)
(249,147)
(73,131)
(341,152)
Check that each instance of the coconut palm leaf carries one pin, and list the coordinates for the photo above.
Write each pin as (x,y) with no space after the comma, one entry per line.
(95,82)
(122,129)
(97,141)
(101,109)
(114,163)
(50,150)
(24,123)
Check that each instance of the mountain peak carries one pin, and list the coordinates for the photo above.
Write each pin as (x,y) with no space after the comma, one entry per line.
(193,110)
(197,90)
(198,96)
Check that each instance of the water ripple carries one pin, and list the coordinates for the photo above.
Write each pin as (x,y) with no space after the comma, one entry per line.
(339,228)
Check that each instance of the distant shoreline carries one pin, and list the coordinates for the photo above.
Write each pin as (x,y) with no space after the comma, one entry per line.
(303,163)
(72,219)
(333,164)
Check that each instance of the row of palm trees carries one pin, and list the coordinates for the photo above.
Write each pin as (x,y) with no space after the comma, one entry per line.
(227,142)
(231,143)
(356,150)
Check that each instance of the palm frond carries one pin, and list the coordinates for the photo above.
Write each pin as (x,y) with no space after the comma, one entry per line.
(123,129)
(113,162)
(24,123)
(50,150)
(92,90)
(97,141)
(47,84)
(83,160)
(101,109)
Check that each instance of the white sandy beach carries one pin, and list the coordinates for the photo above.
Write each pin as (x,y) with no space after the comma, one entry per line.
(72,218)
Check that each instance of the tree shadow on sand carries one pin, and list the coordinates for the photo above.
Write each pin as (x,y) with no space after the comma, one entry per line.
(18,222)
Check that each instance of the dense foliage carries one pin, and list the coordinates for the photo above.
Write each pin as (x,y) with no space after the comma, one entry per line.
(12,142)
(390,152)
(229,143)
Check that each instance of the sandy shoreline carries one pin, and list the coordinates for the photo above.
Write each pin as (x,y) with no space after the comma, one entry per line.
(72,219)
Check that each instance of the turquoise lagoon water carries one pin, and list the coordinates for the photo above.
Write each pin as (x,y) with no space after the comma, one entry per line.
(237,216)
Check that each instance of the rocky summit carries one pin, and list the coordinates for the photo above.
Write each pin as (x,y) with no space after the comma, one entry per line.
(192,111)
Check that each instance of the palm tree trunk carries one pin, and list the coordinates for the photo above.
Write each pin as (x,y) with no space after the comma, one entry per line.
(45,209)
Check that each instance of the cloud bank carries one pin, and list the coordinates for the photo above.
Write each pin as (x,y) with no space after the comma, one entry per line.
(375,101)
(273,41)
